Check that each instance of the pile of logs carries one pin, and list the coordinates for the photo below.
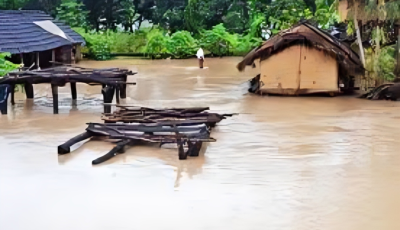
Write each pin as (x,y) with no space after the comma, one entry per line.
(186,127)
(113,80)
(184,116)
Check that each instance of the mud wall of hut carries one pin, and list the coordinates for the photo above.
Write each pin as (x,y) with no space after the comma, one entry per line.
(299,67)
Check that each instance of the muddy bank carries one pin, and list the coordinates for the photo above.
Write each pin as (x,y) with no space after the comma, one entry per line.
(283,163)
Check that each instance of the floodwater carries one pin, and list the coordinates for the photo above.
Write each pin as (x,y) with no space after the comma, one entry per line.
(284,163)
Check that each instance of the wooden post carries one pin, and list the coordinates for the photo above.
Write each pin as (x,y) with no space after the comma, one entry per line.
(29,90)
(12,91)
(22,58)
(53,56)
(37,61)
(108,95)
(54,89)
(398,52)
(4,98)
(117,94)
(359,41)
(123,88)
(181,152)
(73,90)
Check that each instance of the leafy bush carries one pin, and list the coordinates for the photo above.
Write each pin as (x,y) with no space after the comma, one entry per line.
(156,44)
(5,65)
(218,41)
(182,45)
(98,44)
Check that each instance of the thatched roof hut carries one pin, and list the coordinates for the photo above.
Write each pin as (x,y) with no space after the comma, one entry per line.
(304,59)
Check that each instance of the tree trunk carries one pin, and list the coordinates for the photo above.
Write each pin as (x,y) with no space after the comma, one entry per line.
(398,53)
(359,41)
(140,22)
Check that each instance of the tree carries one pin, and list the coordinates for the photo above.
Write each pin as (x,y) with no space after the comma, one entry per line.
(127,14)
(12,4)
(284,13)
(48,6)
(71,12)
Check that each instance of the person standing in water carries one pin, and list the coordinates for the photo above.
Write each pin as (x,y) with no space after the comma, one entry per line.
(200,56)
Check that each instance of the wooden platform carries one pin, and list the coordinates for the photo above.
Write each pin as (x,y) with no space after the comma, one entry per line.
(186,127)
(113,80)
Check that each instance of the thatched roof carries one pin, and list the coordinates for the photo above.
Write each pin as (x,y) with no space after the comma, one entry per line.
(20,32)
(306,34)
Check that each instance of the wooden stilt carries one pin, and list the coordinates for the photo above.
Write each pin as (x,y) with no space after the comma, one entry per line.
(117,95)
(108,95)
(12,91)
(29,90)
(4,98)
(53,56)
(54,89)
(73,90)
(181,151)
(194,149)
(398,53)
(123,88)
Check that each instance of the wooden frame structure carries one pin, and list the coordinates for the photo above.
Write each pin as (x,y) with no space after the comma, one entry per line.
(113,80)
(187,127)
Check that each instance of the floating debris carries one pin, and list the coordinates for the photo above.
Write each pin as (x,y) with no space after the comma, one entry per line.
(389,91)
(188,127)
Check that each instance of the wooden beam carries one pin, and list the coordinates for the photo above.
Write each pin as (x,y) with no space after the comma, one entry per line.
(65,148)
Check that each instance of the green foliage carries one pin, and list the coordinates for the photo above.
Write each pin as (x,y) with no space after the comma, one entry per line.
(5,65)
(284,13)
(380,63)
(12,4)
(182,45)
(98,44)
(71,12)
(156,44)
(326,15)
(218,41)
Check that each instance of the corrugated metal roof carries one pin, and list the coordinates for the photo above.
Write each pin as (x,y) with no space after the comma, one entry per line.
(18,33)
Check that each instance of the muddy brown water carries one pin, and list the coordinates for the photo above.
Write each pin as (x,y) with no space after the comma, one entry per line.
(283,163)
